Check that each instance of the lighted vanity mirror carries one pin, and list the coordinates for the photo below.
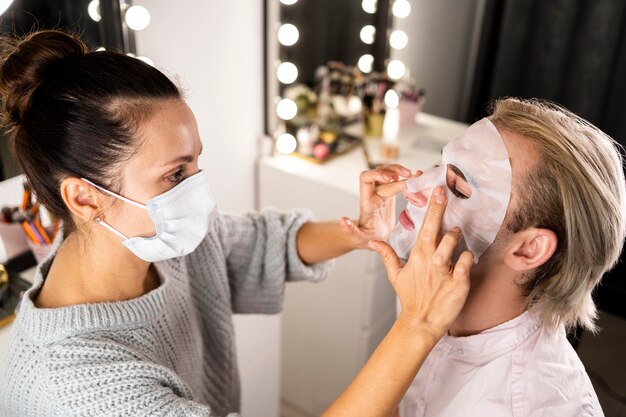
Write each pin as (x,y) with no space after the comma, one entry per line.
(328,67)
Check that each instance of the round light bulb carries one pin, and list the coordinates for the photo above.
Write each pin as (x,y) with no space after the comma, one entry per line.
(396,69)
(398,39)
(392,100)
(366,63)
(146,60)
(401,8)
(369,6)
(288,34)
(286,143)
(93,10)
(287,73)
(288,2)
(287,109)
(4,5)
(368,33)
(137,17)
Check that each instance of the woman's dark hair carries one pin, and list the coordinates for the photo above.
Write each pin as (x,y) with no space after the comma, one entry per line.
(70,112)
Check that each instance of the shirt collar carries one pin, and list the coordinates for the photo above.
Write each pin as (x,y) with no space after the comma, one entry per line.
(501,338)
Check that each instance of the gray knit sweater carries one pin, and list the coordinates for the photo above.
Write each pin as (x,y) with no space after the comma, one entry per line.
(167,353)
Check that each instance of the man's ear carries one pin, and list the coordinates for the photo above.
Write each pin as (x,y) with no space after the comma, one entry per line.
(531,248)
(81,198)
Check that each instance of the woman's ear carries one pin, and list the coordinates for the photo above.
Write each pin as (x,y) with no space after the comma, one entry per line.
(81,199)
(531,248)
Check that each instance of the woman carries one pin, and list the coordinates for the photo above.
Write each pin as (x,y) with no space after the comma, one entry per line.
(131,313)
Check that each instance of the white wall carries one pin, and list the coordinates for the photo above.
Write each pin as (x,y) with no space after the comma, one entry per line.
(438,54)
(215,48)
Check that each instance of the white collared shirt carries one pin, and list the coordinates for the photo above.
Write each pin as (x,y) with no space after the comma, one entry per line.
(517,369)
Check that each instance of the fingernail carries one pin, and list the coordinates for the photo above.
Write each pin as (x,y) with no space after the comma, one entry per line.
(441,198)
(456,229)
(438,190)
(420,199)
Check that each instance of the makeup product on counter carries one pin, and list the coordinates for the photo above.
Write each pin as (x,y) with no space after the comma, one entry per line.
(410,106)
(306,139)
(321,150)
(389,151)
(32,223)
(328,137)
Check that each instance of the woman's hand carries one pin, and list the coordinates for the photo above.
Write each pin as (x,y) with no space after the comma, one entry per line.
(430,288)
(318,242)
(378,188)
(432,292)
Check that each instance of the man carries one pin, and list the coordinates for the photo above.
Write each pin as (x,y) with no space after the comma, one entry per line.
(561,228)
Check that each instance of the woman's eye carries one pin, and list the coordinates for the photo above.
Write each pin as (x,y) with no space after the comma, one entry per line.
(177,176)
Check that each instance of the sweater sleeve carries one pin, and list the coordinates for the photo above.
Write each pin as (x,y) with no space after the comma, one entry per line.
(82,381)
(261,254)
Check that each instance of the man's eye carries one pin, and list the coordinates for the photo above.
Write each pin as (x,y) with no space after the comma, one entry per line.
(457,193)
(177,176)
(457,183)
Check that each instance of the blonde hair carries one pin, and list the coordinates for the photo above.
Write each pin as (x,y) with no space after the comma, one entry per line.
(575,189)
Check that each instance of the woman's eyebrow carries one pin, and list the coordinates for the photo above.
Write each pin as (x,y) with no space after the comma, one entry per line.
(183,158)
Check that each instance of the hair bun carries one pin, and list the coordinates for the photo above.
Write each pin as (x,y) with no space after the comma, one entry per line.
(24,65)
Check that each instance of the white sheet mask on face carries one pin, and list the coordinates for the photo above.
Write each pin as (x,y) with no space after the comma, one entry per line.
(480,154)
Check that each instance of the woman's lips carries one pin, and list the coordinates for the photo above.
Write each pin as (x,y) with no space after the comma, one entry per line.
(405,220)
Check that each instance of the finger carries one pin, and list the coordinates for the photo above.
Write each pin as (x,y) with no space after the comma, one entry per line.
(429,232)
(390,189)
(463,266)
(397,169)
(348,226)
(390,259)
(442,258)
(369,179)
(417,173)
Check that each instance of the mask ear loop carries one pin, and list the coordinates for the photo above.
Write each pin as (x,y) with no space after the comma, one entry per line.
(109,227)
(105,224)
(121,197)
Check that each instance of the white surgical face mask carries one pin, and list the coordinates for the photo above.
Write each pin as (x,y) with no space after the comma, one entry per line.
(481,155)
(182,217)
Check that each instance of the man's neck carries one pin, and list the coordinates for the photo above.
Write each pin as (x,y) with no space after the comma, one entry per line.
(491,301)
